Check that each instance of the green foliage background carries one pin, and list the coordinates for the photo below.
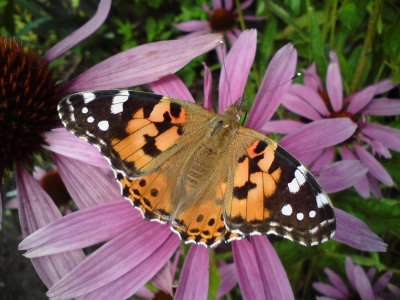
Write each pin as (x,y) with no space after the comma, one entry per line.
(314,27)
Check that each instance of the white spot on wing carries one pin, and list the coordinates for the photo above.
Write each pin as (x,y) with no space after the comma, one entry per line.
(312,214)
(301,179)
(322,200)
(118,101)
(103,125)
(85,110)
(287,210)
(90,119)
(293,186)
(88,97)
(300,216)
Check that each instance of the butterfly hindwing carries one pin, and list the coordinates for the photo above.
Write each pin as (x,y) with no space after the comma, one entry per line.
(274,193)
(135,131)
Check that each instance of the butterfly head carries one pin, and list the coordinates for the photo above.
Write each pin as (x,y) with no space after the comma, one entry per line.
(235,111)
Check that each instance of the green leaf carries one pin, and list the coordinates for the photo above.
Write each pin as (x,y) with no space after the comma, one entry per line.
(151,29)
(316,44)
(391,42)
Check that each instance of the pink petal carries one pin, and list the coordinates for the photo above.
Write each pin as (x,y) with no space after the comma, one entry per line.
(190,26)
(325,159)
(193,282)
(311,78)
(377,147)
(383,136)
(353,232)
(163,279)
(145,293)
(362,283)
(360,100)
(300,107)
(307,158)
(382,282)
(232,37)
(328,290)
(383,86)
(273,275)
(341,175)
(143,64)
(349,266)
(115,259)
(394,290)
(240,57)
(374,186)
(311,97)
(371,273)
(281,127)
(82,33)
(172,86)
(334,83)
(131,282)
(87,185)
(84,228)
(195,34)
(270,94)
(228,279)
(383,107)
(376,169)
(36,209)
(246,4)
(228,4)
(319,134)
(337,282)
(217,4)
(206,8)
(61,141)
(207,88)
(253,18)
(250,282)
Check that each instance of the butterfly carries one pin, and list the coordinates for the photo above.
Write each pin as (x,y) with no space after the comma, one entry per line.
(211,178)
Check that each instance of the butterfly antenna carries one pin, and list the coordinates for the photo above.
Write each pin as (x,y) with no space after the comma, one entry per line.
(224,66)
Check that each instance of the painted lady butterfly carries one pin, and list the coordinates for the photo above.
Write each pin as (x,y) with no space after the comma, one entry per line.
(210,177)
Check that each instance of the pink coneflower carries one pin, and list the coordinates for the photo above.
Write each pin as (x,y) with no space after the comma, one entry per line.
(29,123)
(316,104)
(136,251)
(222,18)
(360,283)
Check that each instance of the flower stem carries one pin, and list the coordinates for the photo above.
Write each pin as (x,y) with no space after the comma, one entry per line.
(240,15)
(367,48)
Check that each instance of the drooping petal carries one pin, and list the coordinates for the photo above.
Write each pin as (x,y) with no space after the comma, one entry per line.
(253,18)
(193,282)
(392,131)
(374,186)
(383,86)
(377,147)
(353,232)
(115,259)
(84,228)
(275,281)
(382,282)
(247,270)
(383,107)
(311,78)
(246,4)
(319,134)
(297,105)
(207,88)
(228,4)
(328,290)
(334,83)
(232,38)
(228,279)
(349,266)
(384,136)
(240,57)
(371,273)
(206,8)
(82,33)
(363,285)
(337,282)
(375,168)
(61,141)
(194,34)
(281,126)
(311,97)
(271,92)
(190,26)
(128,284)
(217,4)
(307,158)
(323,160)
(143,64)
(172,86)
(394,289)
(145,293)
(361,99)
(341,175)
(163,279)
(36,209)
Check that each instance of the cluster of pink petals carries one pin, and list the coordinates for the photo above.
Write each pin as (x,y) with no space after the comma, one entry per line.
(360,282)
(306,101)
(199,27)
(137,251)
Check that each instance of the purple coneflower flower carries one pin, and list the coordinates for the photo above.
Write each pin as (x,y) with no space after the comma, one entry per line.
(137,251)
(221,19)
(360,282)
(314,103)
(29,122)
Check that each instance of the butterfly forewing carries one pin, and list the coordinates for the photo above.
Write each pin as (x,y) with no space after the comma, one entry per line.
(274,193)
